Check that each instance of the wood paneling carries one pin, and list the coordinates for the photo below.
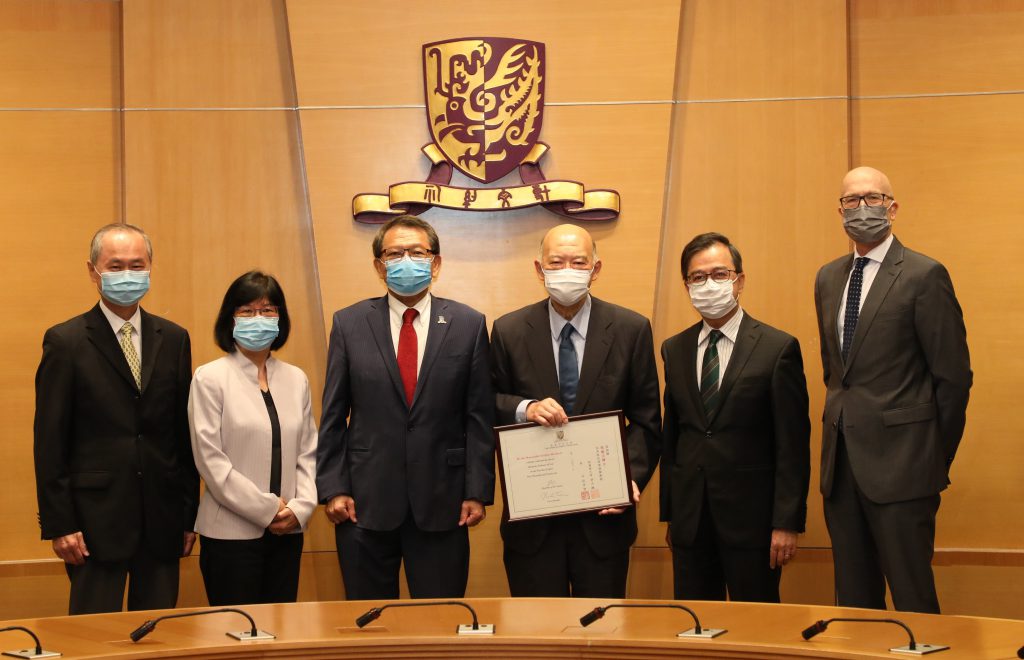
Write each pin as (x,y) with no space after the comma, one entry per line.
(206,54)
(597,50)
(60,54)
(956,172)
(913,47)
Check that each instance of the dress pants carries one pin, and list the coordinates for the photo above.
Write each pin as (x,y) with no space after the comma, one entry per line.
(98,586)
(565,565)
(436,563)
(707,569)
(261,570)
(873,542)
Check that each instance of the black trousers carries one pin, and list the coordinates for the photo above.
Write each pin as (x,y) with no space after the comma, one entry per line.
(708,570)
(436,563)
(263,570)
(565,566)
(873,543)
(98,586)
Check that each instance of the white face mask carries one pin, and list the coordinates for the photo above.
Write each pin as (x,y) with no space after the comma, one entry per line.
(567,285)
(713,300)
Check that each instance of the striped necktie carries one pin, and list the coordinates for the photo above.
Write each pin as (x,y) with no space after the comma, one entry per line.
(709,374)
(130,354)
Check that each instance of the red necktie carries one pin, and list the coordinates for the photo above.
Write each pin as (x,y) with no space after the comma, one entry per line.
(407,351)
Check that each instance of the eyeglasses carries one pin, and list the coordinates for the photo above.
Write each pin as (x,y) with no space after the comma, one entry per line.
(266,310)
(394,254)
(871,199)
(719,275)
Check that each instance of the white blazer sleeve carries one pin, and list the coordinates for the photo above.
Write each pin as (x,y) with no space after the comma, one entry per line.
(304,502)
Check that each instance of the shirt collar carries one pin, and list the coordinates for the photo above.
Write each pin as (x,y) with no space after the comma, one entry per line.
(580,322)
(878,252)
(731,328)
(116,322)
(398,307)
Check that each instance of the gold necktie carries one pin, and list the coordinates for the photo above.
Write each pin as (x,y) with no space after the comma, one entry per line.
(129,353)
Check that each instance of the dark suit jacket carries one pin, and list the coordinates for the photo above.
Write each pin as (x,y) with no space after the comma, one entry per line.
(903,391)
(618,373)
(111,462)
(391,457)
(753,455)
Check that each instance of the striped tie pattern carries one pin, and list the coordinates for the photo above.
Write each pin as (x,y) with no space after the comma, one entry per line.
(129,354)
(852,312)
(709,374)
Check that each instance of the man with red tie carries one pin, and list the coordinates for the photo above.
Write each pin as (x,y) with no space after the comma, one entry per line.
(405,459)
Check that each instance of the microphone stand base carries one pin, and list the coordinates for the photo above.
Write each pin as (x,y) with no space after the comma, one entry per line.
(706,633)
(481,629)
(31,653)
(921,649)
(246,635)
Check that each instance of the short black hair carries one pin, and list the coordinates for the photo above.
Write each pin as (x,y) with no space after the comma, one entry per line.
(412,222)
(247,288)
(701,242)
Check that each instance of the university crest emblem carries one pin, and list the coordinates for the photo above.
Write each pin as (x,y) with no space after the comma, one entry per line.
(485,105)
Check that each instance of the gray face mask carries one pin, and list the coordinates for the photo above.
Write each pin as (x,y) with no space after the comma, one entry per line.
(867,224)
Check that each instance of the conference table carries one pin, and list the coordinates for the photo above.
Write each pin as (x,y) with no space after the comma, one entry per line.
(524,628)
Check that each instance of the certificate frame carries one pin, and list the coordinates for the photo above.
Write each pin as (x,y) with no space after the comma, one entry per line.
(558,481)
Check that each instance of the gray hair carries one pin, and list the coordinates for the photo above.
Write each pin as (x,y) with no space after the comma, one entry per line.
(97,240)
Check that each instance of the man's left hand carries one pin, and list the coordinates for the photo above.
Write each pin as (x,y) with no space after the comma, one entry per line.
(190,540)
(783,548)
(472,514)
(618,510)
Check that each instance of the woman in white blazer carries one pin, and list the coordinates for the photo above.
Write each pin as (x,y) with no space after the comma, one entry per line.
(254,442)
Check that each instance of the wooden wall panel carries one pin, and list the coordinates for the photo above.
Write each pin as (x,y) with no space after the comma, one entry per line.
(597,50)
(206,54)
(60,54)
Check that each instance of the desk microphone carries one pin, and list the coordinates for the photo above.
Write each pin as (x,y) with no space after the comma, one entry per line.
(475,628)
(149,625)
(696,631)
(913,648)
(38,652)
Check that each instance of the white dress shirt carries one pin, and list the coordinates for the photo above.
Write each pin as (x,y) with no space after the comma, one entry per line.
(231,442)
(421,324)
(725,344)
(116,322)
(875,257)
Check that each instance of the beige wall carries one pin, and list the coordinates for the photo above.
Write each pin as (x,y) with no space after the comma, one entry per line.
(237,131)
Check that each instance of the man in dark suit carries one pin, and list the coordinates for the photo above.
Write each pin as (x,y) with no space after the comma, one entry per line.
(898,374)
(573,354)
(736,462)
(412,468)
(116,483)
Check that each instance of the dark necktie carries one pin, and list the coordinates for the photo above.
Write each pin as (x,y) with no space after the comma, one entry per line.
(709,374)
(568,369)
(275,444)
(853,304)
(407,353)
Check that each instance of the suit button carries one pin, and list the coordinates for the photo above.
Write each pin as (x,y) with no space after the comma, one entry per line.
(708,434)
(409,428)
(140,437)
(138,474)
(835,425)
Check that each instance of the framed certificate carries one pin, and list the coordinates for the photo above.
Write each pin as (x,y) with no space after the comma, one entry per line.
(580,466)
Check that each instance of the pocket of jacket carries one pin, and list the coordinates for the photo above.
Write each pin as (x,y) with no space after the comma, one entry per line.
(921,412)
(91,479)
(456,456)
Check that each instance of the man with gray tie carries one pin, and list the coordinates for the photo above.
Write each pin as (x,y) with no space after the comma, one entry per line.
(897,371)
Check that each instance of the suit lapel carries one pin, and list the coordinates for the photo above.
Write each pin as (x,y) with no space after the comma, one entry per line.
(689,362)
(152,339)
(888,271)
(436,332)
(539,347)
(102,337)
(380,326)
(599,340)
(746,340)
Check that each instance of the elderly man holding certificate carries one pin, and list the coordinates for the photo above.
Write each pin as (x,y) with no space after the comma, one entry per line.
(574,355)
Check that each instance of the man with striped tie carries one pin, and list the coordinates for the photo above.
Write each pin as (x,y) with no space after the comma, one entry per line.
(736,462)
(898,373)
(117,487)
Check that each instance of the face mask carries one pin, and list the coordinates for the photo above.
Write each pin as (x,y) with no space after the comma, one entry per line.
(567,285)
(408,276)
(124,287)
(255,333)
(712,300)
(866,224)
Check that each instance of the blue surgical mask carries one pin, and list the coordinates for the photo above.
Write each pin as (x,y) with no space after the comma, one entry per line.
(408,276)
(124,287)
(255,333)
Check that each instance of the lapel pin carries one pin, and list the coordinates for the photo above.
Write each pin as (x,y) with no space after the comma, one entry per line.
(440,319)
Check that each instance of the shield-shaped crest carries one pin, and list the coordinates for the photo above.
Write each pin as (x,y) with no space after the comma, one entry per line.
(485,101)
